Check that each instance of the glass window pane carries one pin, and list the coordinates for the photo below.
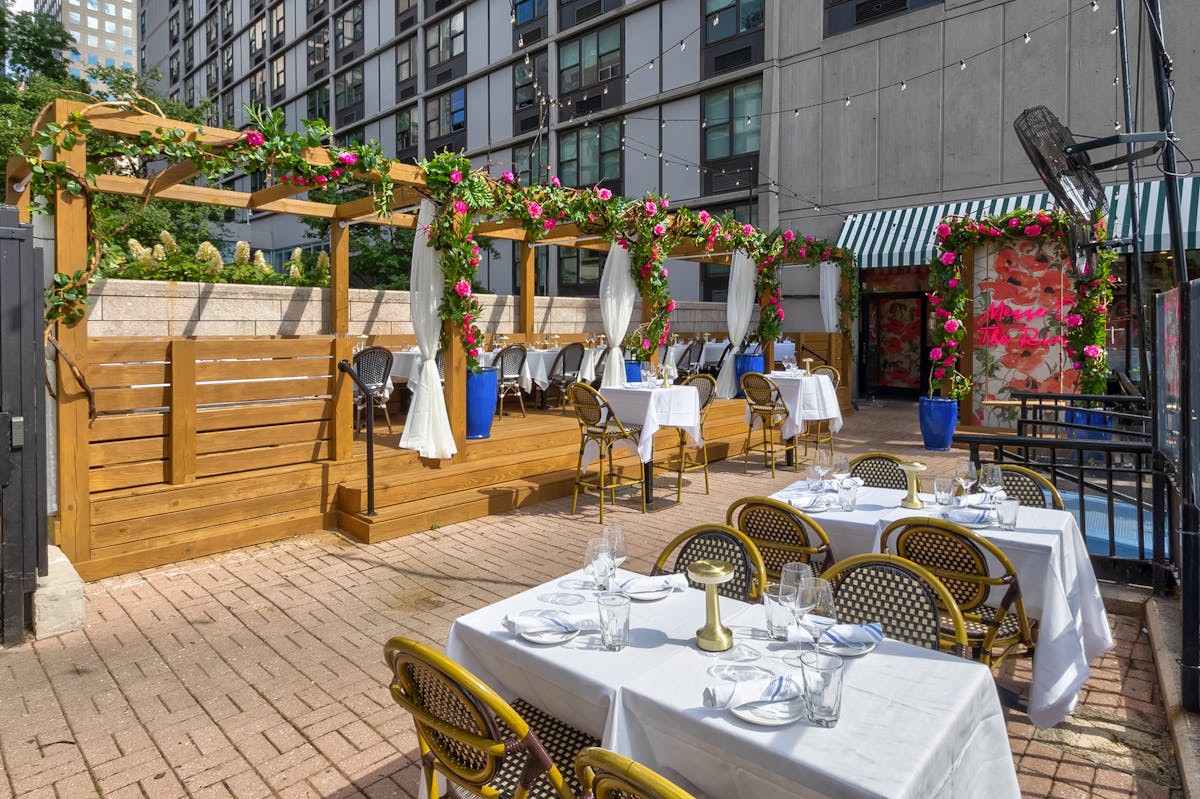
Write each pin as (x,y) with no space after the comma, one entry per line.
(589,52)
(747,99)
(566,147)
(457,22)
(724,27)
(568,79)
(610,166)
(745,138)
(610,136)
(610,39)
(569,264)
(716,108)
(752,15)
(589,268)
(716,141)
(716,5)
(568,56)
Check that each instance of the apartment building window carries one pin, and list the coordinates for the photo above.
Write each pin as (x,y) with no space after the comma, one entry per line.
(313,5)
(591,155)
(278,27)
(173,68)
(172,27)
(527,79)
(406,59)
(210,32)
(110,9)
(127,31)
(210,77)
(258,87)
(111,46)
(227,109)
(725,18)
(446,113)
(227,61)
(406,129)
(349,28)
(353,137)
(318,48)
(348,89)
(578,272)
(73,17)
(189,91)
(226,14)
(446,39)
(732,121)
(189,13)
(93,40)
(127,49)
(258,35)
(405,5)
(126,13)
(529,10)
(318,103)
(278,74)
(94,24)
(593,57)
(529,161)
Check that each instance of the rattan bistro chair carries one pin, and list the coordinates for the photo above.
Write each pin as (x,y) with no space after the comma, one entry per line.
(714,368)
(818,431)
(718,542)
(597,423)
(563,372)
(903,596)
(693,458)
(374,368)
(1030,487)
(781,533)
(600,365)
(510,362)
(475,739)
(607,775)
(959,558)
(766,408)
(689,360)
(880,470)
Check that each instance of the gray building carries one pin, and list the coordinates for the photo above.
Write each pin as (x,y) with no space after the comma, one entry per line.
(793,112)
(105,31)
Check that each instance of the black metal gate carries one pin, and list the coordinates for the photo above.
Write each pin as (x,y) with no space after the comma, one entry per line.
(22,426)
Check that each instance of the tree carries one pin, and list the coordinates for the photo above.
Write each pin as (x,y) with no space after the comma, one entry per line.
(34,44)
(382,255)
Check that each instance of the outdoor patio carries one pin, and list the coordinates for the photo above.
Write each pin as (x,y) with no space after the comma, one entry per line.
(259,672)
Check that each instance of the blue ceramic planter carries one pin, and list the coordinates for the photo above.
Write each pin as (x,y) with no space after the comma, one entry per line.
(939,417)
(743,364)
(633,372)
(481,402)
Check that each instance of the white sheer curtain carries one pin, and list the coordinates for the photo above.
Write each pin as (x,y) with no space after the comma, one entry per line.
(831,284)
(739,309)
(427,429)
(617,293)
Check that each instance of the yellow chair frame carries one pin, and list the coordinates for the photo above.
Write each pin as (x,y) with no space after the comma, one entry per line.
(1014,492)
(818,431)
(752,583)
(598,423)
(783,520)
(607,775)
(762,397)
(680,461)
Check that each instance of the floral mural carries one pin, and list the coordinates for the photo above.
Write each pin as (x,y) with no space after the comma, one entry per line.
(899,346)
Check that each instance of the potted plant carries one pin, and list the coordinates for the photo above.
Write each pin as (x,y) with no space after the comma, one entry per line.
(482,388)
(938,410)
(744,362)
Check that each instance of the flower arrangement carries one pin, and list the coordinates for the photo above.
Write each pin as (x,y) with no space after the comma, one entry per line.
(1083,321)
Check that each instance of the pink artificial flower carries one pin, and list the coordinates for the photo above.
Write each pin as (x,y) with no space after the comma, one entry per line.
(952,283)
(645,270)
(302,181)
(470,337)
(1074,320)
(349,159)
(554,181)
(662,339)
(808,239)
(664,271)
(456,176)
(336,172)
(255,139)
(285,178)
(943,231)
(535,210)
(666,203)
(779,313)
(623,243)
(473,352)
(467,318)
(941,313)
(1014,222)
(460,207)
(951,343)
(803,252)
(949,257)
(935,300)
(1078,365)
(670,306)
(462,288)
(789,236)
(1092,351)
(604,194)
(650,208)
(508,176)
(1033,230)
(949,361)
(645,343)
(321,179)
(1102,308)
(747,230)
(474,261)
(825,255)
(659,230)
(935,354)
(703,216)
(952,325)
(1043,219)
(939,373)
(549,224)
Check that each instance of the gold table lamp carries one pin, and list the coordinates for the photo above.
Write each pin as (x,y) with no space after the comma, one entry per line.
(911,469)
(713,636)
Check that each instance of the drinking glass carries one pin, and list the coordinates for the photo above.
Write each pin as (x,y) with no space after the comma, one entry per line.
(796,574)
(822,675)
(965,477)
(816,612)
(943,490)
(813,481)
(1006,514)
(615,536)
(598,563)
(847,494)
(780,602)
(614,620)
(645,373)
(821,465)
(991,480)
(840,468)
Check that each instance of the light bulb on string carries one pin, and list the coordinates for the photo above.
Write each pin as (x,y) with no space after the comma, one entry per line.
(903,86)
(651,64)
(527,59)
(796,113)
(1028,38)
(1113,32)
(521,40)
(605,90)
(748,119)
(1116,81)
(716,19)
(847,101)
(512,18)
(962,64)
(1095,6)
(1116,125)
(682,45)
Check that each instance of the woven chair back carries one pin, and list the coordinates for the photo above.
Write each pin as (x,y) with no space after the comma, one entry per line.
(830,372)
(374,366)
(760,390)
(1029,487)
(590,407)
(439,360)
(781,533)
(569,360)
(510,360)
(880,470)
(717,542)
(686,361)
(706,387)
(600,362)
(956,559)
(724,355)
(607,775)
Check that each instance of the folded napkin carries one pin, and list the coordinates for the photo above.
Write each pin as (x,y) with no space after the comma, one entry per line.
(735,694)
(645,585)
(840,634)
(565,623)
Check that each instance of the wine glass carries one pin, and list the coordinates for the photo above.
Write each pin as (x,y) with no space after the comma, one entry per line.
(965,477)
(816,613)
(840,468)
(796,574)
(991,480)
(598,563)
(615,536)
(821,464)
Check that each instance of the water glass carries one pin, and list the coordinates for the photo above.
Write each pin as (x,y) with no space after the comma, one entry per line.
(814,482)
(796,574)
(614,620)
(615,536)
(943,490)
(598,563)
(822,674)
(780,601)
(848,494)
(1006,514)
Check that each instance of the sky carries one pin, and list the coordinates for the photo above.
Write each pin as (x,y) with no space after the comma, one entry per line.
(22,5)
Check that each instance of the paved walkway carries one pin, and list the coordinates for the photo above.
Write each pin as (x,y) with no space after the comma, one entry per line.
(259,672)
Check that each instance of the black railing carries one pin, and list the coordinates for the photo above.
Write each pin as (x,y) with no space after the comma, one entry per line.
(1098,453)
(369,401)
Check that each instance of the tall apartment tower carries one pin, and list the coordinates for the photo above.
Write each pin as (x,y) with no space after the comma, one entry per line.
(105,31)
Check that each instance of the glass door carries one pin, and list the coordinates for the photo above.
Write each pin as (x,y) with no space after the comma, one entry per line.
(894,347)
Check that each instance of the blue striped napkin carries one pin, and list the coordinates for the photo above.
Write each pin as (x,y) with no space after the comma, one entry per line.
(735,694)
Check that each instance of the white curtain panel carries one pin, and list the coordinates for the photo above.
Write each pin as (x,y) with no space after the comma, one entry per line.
(427,429)
(617,293)
(739,309)
(831,284)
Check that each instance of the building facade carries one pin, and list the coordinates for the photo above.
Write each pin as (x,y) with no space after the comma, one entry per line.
(105,31)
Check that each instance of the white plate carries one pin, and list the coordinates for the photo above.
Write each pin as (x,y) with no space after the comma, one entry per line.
(562,599)
(771,714)
(550,637)
(848,650)
(739,672)
(649,596)
(976,519)
(813,504)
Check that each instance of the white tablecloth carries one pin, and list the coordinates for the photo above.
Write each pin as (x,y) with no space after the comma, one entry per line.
(1057,582)
(712,351)
(807,398)
(785,349)
(406,366)
(914,723)
(655,408)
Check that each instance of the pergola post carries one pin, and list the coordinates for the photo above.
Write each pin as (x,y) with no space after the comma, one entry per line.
(71,253)
(339,322)
(455,389)
(528,289)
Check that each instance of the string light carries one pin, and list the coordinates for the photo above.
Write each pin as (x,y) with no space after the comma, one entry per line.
(796,113)
(1095,6)
(651,64)
(682,45)
(512,18)
(747,119)
(847,101)
(903,86)
(962,64)
(1116,81)
(715,20)
(1028,38)
(521,40)
(1116,125)
(1113,32)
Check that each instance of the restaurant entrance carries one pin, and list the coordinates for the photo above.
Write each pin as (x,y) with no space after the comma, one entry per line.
(894,344)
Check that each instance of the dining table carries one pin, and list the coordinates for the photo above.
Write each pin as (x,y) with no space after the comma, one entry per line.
(406,366)
(914,723)
(1049,555)
(807,398)
(652,407)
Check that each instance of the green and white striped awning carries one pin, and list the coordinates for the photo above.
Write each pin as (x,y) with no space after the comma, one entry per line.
(908,236)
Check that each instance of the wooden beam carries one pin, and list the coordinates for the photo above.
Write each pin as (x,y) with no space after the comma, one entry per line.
(339,278)
(395,220)
(528,288)
(455,389)
(17,173)
(343,403)
(363,208)
(181,463)
(271,194)
(171,176)
(206,195)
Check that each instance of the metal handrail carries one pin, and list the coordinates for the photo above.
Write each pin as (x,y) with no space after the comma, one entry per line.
(345,366)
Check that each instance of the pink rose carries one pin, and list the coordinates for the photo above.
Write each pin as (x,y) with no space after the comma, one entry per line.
(604,194)
(939,373)
(664,271)
(808,239)
(952,283)
(703,216)
(949,257)
(467,318)
(779,313)
(949,360)
(747,230)
(456,176)
(321,179)
(508,176)
(935,354)
(789,236)
(554,181)
(670,306)
(1014,222)
(1078,365)
(935,300)
(662,339)
(285,178)
(460,207)
(951,343)
(825,255)
(470,337)
(650,208)
(1092,351)
(336,171)
(1074,320)
(1102,308)
(666,203)
(1033,230)
(535,210)
(659,230)
(301,181)
(255,139)
(952,325)
(549,224)
(943,231)
(462,288)
(803,252)
(473,352)
(349,159)
(645,343)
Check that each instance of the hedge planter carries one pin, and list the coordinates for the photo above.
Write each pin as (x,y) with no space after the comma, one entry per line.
(939,417)
(481,402)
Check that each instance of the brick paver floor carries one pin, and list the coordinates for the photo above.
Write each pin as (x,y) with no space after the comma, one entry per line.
(259,672)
